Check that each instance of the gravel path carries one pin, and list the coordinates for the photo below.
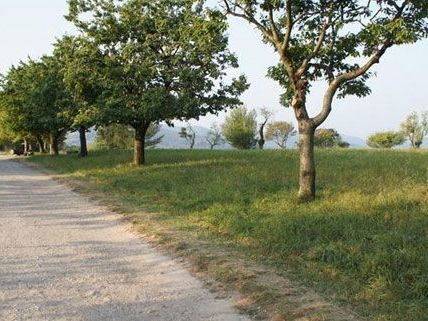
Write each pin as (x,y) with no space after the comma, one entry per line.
(64,258)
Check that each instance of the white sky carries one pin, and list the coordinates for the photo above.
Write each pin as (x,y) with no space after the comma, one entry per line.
(28,28)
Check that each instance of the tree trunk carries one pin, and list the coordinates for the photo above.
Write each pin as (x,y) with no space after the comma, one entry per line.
(83,143)
(54,148)
(261,141)
(41,145)
(25,146)
(139,144)
(307,164)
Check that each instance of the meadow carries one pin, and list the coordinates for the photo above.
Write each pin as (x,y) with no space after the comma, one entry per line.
(363,243)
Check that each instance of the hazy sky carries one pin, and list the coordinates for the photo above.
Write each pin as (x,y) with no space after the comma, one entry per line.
(28,28)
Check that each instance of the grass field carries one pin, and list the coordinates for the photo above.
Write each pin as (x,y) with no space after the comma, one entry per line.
(363,242)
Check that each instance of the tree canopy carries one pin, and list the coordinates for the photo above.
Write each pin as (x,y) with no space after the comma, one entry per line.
(165,59)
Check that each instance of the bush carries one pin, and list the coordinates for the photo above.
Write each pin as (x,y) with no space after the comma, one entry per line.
(328,138)
(240,128)
(386,139)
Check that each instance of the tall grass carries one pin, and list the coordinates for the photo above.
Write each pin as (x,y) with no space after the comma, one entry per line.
(364,241)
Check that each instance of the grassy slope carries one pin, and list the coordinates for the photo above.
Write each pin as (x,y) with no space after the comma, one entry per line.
(363,241)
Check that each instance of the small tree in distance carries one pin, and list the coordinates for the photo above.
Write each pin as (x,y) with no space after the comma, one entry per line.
(266,114)
(386,139)
(279,132)
(188,134)
(214,136)
(415,128)
(240,128)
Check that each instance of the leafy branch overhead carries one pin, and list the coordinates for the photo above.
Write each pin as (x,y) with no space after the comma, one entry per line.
(336,41)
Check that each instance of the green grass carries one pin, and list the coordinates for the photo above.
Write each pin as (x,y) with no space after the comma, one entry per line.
(363,242)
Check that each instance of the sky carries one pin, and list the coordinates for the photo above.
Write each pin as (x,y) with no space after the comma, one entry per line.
(29,27)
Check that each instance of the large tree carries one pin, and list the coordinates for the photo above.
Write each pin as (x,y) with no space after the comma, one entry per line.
(166,60)
(334,41)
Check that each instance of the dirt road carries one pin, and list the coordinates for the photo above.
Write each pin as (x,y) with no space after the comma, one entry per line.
(65,258)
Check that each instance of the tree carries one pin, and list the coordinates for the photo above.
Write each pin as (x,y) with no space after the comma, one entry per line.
(6,139)
(279,132)
(118,136)
(240,128)
(35,102)
(80,62)
(188,134)
(386,139)
(214,136)
(266,114)
(328,138)
(333,41)
(415,128)
(165,60)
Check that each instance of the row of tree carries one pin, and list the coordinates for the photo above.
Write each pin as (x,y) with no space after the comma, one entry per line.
(135,63)
(413,129)
(139,62)
(242,131)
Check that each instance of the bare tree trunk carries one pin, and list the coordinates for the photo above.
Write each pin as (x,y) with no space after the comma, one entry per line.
(54,148)
(41,145)
(261,140)
(307,173)
(83,143)
(139,144)
(25,146)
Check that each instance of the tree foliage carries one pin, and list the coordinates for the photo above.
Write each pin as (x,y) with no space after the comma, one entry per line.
(387,139)
(240,128)
(328,138)
(119,136)
(36,101)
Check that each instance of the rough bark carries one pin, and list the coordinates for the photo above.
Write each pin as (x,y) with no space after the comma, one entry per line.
(139,144)
(307,174)
(54,144)
(83,143)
